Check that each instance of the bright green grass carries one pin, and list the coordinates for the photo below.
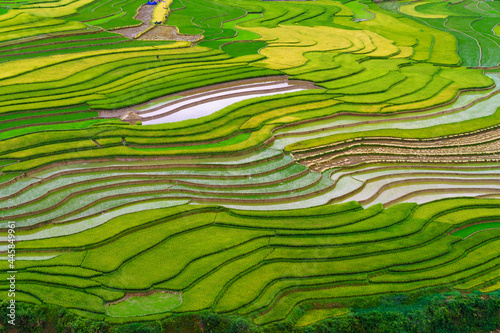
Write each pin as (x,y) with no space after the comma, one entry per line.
(195,244)
(13,116)
(278,288)
(203,294)
(469,215)
(36,28)
(486,26)
(234,140)
(108,230)
(82,116)
(360,10)
(110,256)
(242,49)
(441,8)
(65,297)
(489,48)
(94,36)
(300,248)
(466,232)
(105,19)
(468,50)
(65,280)
(436,85)
(6,177)
(373,86)
(402,88)
(46,128)
(444,206)
(485,255)
(66,270)
(315,315)
(201,267)
(101,63)
(107,295)
(64,47)
(456,251)
(144,305)
(249,261)
(256,280)
(315,223)
(129,8)
(481,280)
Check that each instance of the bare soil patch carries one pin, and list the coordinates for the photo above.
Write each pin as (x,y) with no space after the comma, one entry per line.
(166,32)
(478,146)
(144,14)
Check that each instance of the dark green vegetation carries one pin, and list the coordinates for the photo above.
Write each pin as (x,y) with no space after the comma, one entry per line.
(264,265)
(452,313)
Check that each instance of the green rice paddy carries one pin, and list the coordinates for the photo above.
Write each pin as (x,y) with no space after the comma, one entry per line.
(468,231)
(145,305)
(378,174)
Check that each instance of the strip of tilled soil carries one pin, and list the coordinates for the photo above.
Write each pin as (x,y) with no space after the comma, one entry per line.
(473,145)
(351,159)
(448,142)
(166,32)
(395,149)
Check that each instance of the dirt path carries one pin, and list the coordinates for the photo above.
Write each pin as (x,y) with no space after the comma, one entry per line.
(149,31)
(144,14)
(166,32)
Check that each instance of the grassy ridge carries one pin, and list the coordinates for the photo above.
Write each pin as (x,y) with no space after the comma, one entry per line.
(248,261)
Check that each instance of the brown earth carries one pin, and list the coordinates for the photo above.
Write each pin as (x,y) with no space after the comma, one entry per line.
(479,146)
(144,14)
(149,31)
(166,32)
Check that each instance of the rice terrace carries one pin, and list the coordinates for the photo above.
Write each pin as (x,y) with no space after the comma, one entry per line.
(249,166)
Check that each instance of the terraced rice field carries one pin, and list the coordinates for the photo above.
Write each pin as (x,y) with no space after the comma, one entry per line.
(248,158)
